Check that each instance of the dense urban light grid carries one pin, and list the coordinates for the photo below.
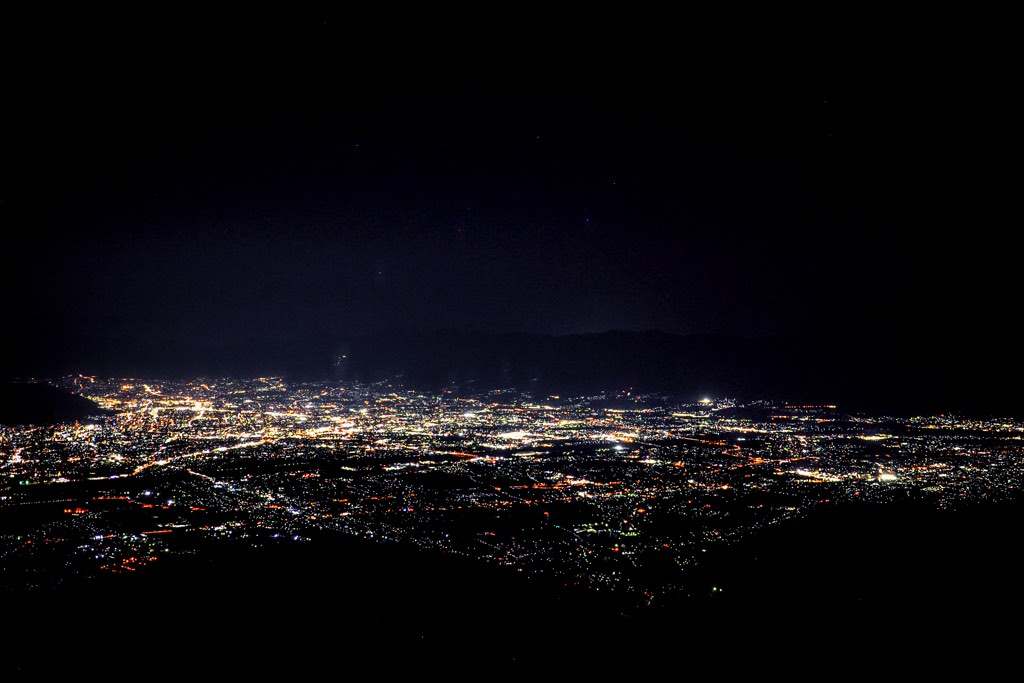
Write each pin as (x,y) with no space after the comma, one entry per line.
(618,492)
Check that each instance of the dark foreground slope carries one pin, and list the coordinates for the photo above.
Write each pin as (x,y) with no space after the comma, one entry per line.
(905,557)
(43,404)
(298,608)
(901,587)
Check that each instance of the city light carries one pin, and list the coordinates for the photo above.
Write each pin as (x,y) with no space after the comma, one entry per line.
(177,466)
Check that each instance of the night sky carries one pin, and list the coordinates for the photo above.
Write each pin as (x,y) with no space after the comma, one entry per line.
(213,182)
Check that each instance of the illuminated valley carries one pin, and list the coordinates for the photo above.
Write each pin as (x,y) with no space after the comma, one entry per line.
(620,493)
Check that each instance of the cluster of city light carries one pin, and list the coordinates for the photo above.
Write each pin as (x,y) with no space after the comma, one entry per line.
(587,488)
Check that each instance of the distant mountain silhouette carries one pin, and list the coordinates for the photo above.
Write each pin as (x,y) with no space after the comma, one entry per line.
(856,368)
(43,404)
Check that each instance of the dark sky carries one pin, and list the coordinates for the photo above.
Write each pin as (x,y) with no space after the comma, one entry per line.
(213,181)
